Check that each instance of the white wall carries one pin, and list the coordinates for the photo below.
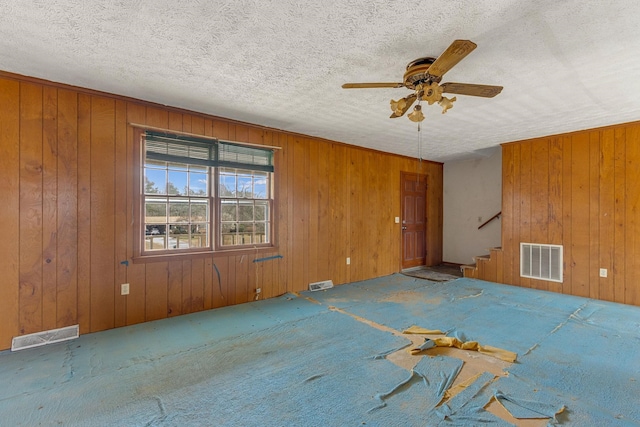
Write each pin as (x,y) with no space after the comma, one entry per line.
(472,195)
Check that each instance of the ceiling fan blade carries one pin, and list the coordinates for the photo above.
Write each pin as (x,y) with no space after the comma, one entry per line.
(409,100)
(370,85)
(450,57)
(485,91)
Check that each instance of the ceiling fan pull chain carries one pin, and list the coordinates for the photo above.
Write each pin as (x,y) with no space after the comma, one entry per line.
(419,143)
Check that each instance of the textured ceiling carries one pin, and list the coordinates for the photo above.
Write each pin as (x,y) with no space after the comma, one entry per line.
(565,65)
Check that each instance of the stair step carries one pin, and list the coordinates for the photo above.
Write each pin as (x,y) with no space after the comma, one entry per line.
(482,257)
(469,266)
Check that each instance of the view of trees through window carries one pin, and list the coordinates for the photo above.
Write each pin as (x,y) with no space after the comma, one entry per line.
(244,206)
(178,204)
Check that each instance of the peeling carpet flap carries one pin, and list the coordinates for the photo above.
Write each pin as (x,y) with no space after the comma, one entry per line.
(527,409)
(433,377)
(507,356)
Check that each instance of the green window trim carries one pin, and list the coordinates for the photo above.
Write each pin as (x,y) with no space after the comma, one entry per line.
(204,152)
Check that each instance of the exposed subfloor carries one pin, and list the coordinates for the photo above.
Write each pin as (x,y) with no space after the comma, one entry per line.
(439,273)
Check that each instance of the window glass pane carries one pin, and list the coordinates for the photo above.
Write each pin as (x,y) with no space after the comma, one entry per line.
(245,188)
(260,230)
(178,229)
(245,227)
(227,185)
(228,233)
(229,227)
(245,233)
(198,184)
(155,229)
(156,211)
(261,211)
(177,184)
(229,211)
(155,242)
(245,211)
(179,210)
(199,210)
(178,236)
(155,181)
(260,186)
(199,236)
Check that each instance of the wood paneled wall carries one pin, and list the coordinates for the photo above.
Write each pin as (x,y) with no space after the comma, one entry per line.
(66,173)
(580,190)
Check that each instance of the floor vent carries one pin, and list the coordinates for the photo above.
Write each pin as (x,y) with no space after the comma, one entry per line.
(321,286)
(43,338)
(541,261)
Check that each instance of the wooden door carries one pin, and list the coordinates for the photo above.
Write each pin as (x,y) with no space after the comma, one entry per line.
(414,219)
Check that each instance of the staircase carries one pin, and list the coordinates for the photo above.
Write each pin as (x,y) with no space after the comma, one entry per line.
(486,267)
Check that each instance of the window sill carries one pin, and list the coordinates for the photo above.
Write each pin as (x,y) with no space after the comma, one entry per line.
(143,259)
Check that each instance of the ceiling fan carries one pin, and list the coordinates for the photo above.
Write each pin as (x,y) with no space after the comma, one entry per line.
(423,77)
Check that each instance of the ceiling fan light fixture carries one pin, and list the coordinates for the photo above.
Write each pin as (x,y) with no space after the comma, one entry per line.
(446,103)
(399,106)
(432,93)
(416,115)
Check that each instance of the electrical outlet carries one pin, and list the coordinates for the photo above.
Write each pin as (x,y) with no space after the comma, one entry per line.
(124,289)
(397,220)
(258,290)
(348,260)
(603,272)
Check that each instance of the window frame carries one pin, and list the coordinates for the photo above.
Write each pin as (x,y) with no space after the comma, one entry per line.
(218,211)
(215,246)
(175,199)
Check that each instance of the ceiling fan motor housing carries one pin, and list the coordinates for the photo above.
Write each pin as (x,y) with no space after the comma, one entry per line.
(417,73)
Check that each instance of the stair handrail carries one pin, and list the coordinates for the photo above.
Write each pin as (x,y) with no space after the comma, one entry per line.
(490,219)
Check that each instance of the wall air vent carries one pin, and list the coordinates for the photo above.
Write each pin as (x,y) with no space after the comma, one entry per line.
(46,337)
(321,286)
(542,262)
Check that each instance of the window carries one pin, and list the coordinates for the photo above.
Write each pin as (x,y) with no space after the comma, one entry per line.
(244,207)
(203,195)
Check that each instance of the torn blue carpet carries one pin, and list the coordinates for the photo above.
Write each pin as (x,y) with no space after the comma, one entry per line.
(467,407)
(476,308)
(296,363)
(591,361)
(573,352)
(424,388)
(291,362)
